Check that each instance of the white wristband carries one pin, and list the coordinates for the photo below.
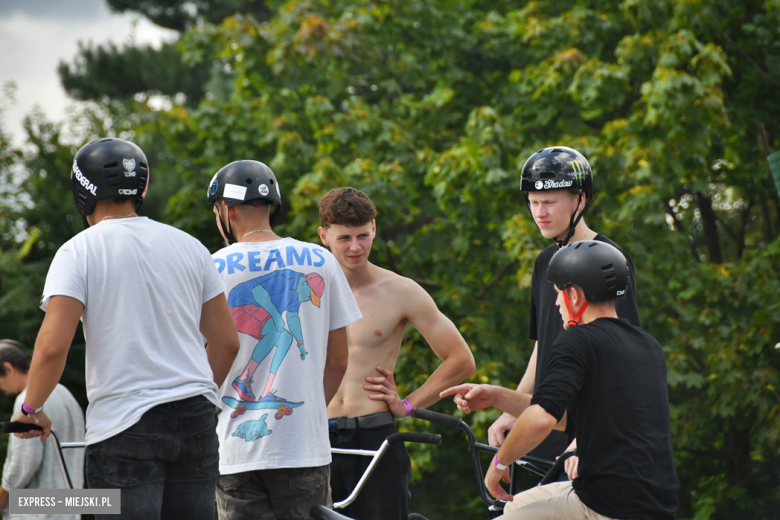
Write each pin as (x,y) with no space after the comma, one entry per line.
(497,464)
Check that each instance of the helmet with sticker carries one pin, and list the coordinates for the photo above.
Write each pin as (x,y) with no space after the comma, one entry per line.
(106,169)
(555,168)
(246,181)
(598,268)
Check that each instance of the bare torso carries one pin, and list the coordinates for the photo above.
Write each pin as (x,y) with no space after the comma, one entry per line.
(375,339)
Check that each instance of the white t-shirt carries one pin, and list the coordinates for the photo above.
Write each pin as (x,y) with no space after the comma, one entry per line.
(143,285)
(273,289)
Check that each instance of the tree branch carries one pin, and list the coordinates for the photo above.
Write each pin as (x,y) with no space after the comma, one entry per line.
(500,274)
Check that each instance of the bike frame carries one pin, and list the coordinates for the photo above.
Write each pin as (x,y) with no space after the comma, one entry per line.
(424,438)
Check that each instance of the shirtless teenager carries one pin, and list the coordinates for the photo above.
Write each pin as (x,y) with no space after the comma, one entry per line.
(361,414)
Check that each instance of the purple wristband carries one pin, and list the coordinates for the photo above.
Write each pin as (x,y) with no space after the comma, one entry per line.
(30,410)
(408,407)
(498,464)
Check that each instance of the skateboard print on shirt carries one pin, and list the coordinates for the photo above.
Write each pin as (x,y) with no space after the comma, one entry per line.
(258,306)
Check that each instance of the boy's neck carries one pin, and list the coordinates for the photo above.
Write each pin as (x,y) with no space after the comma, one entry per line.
(581,232)
(262,231)
(360,277)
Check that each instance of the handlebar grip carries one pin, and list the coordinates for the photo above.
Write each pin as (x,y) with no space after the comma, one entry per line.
(18,427)
(436,417)
(422,438)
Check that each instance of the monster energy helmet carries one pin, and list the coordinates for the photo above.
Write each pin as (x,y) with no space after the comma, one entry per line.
(107,169)
(245,182)
(558,168)
(598,268)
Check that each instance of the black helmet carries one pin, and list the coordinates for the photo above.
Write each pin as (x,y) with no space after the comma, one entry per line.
(242,182)
(600,269)
(558,168)
(107,169)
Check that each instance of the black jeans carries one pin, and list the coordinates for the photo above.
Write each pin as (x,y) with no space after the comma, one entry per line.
(166,464)
(386,493)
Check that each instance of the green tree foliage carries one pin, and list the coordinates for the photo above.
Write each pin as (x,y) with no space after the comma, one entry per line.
(121,73)
(431,107)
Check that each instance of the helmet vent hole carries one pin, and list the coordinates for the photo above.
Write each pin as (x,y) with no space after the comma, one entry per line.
(112,175)
(547,175)
(271,182)
(577,246)
(592,245)
(113,185)
(610,277)
(607,267)
(111,165)
(142,165)
(105,140)
(248,180)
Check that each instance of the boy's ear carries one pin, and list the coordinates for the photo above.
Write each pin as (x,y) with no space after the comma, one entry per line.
(323,237)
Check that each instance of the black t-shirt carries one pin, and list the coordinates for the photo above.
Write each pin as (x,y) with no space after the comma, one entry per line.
(611,377)
(546,325)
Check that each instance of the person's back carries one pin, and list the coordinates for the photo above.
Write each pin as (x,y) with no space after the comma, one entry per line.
(148,295)
(144,286)
(605,381)
(626,468)
(291,305)
(266,438)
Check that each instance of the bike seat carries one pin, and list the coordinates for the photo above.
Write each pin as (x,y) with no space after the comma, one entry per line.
(323,513)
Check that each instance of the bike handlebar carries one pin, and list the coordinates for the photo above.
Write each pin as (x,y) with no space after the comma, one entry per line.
(436,417)
(422,438)
(18,427)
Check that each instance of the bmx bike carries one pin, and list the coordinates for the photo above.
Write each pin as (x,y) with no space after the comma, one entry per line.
(546,470)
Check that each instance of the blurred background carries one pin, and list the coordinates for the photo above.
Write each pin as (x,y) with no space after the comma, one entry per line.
(432,107)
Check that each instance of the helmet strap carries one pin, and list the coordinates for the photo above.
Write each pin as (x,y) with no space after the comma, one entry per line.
(86,222)
(573,321)
(274,214)
(231,238)
(573,221)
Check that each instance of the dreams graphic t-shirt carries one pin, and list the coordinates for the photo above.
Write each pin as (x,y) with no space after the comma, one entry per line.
(285,297)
